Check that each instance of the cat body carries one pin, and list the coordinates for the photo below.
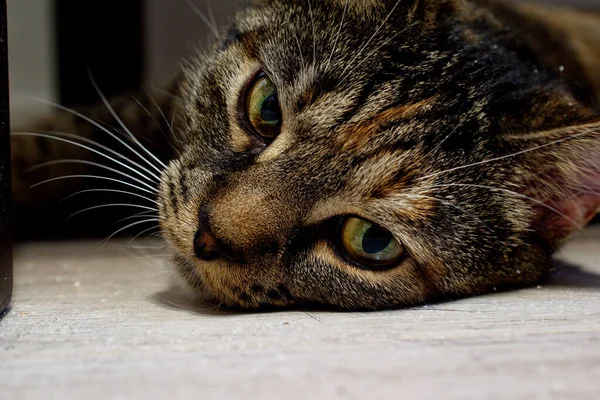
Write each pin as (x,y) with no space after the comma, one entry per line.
(368,154)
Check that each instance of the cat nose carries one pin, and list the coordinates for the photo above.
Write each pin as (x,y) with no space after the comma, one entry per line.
(207,247)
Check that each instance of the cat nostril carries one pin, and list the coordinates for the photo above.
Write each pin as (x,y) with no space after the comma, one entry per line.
(205,246)
(208,247)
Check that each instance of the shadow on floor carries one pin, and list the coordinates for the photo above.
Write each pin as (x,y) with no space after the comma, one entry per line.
(572,276)
(172,298)
(564,275)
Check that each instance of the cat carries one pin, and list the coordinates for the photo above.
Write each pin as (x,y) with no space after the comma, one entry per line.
(360,154)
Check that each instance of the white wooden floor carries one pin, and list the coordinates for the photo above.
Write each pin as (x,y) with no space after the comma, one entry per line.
(91,322)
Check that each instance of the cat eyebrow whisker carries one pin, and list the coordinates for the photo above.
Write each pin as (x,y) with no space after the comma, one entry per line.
(166,93)
(303,62)
(153,100)
(85,162)
(346,73)
(130,134)
(337,36)
(211,15)
(111,191)
(154,119)
(440,143)
(583,130)
(57,136)
(372,37)
(194,7)
(314,35)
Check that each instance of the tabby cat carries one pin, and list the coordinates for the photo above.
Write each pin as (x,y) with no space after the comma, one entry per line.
(360,154)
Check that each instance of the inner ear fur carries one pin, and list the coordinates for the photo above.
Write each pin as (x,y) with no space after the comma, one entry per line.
(559,170)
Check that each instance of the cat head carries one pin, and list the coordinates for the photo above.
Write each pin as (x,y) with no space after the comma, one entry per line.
(373,154)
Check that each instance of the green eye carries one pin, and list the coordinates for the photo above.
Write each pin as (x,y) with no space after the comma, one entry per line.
(262,108)
(370,244)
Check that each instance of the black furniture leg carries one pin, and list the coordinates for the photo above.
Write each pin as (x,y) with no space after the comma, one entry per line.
(5,192)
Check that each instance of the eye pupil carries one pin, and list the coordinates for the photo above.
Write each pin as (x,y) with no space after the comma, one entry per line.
(370,245)
(270,109)
(262,108)
(375,240)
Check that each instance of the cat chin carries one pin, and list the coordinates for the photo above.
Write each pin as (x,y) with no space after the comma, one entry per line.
(186,278)
(199,292)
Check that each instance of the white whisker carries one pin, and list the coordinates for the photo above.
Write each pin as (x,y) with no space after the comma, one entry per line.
(131,135)
(83,176)
(142,257)
(152,116)
(166,93)
(355,67)
(449,203)
(200,14)
(95,164)
(143,214)
(153,100)
(337,36)
(111,191)
(142,232)
(211,15)
(99,126)
(303,62)
(583,130)
(314,35)
(440,143)
(372,37)
(516,194)
(56,136)
(107,206)
(129,226)
(156,236)
(146,247)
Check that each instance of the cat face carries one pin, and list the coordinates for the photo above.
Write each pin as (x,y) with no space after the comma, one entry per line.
(370,154)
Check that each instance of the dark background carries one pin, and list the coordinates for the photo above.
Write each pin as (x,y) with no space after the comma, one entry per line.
(92,36)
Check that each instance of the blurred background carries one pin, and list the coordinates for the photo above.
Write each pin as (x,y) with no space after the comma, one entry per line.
(52,43)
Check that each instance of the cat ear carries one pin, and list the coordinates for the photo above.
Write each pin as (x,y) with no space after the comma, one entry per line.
(560,172)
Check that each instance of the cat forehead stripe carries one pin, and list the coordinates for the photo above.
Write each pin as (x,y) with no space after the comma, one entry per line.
(356,135)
